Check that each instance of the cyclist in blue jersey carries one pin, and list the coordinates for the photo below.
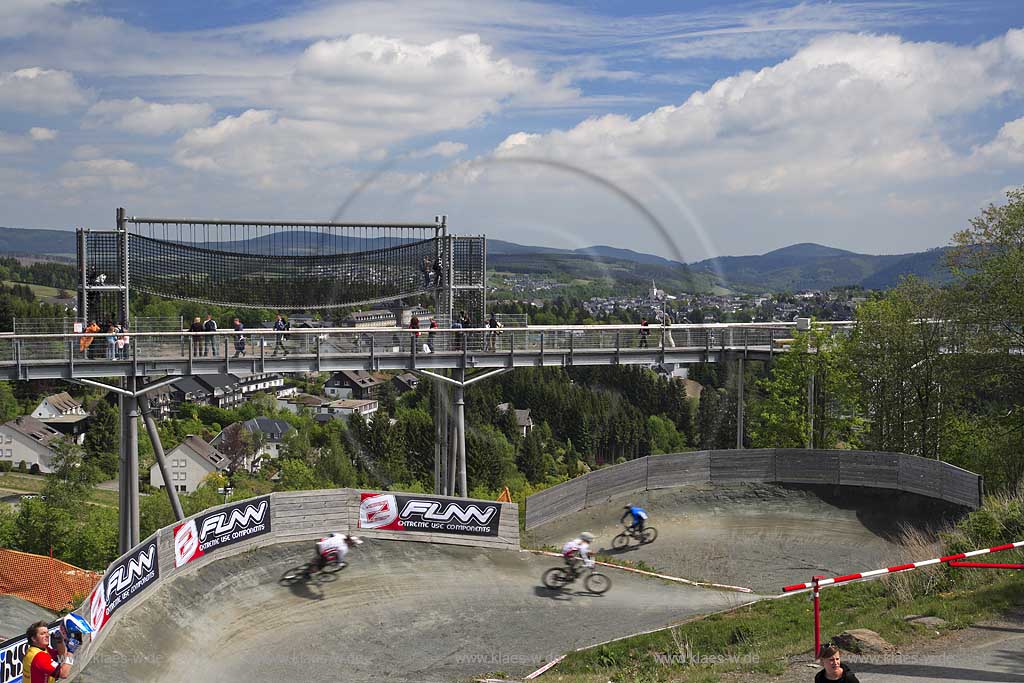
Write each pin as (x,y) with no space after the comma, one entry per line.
(639,516)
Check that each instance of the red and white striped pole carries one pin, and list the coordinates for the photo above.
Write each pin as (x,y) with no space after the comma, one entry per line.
(816,583)
(817,616)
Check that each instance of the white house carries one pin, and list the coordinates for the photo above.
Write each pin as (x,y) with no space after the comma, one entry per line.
(189,463)
(65,414)
(344,407)
(523,419)
(271,434)
(57,405)
(26,439)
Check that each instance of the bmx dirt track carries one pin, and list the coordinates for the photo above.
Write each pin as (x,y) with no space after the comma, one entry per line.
(401,611)
(761,536)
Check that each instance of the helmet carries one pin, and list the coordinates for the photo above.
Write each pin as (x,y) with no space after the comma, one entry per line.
(627,507)
(587,536)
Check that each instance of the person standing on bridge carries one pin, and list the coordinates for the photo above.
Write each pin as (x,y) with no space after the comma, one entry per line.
(426,269)
(210,346)
(644,331)
(85,342)
(197,342)
(240,339)
(280,326)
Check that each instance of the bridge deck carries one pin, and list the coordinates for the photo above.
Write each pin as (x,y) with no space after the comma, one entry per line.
(69,356)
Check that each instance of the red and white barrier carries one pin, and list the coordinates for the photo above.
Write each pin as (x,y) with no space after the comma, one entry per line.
(898,568)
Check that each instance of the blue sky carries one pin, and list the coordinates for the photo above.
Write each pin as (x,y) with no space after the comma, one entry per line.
(877,126)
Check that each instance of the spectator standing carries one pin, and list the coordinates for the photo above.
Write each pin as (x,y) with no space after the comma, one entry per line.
(644,331)
(85,342)
(111,340)
(492,336)
(123,341)
(240,339)
(43,662)
(437,271)
(414,325)
(280,326)
(430,334)
(211,340)
(666,331)
(425,268)
(197,341)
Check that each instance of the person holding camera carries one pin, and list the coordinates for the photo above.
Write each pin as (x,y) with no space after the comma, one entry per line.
(43,662)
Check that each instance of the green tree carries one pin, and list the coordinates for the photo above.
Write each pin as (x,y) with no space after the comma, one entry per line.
(102,439)
(531,457)
(896,352)
(807,395)
(9,408)
(298,476)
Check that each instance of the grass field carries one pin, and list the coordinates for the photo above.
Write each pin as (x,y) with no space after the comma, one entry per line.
(41,291)
(30,483)
(761,638)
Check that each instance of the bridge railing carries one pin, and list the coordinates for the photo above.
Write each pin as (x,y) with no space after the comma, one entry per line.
(326,342)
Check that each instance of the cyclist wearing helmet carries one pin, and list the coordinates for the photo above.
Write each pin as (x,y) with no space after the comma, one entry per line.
(577,550)
(333,543)
(639,515)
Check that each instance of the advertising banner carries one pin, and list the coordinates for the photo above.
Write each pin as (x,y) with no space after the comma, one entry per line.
(412,512)
(231,524)
(125,579)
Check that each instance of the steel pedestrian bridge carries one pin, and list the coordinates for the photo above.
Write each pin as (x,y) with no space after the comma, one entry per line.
(178,354)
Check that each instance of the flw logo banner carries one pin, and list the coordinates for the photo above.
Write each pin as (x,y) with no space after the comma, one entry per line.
(403,512)
(205,533)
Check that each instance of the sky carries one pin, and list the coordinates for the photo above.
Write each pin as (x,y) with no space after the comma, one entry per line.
(687,129)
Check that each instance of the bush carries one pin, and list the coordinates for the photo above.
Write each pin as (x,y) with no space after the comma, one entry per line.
(23,466)
(6,466)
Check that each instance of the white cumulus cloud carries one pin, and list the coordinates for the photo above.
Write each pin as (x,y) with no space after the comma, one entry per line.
(265,145)
(42,134)
(147,118)
(36,89)
(410,87)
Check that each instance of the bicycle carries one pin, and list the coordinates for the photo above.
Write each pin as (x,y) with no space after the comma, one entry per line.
(557,578)
(644,537)
(307,571)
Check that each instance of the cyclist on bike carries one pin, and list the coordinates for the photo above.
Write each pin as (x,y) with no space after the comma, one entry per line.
(639,516)
(578,550)
(333,543)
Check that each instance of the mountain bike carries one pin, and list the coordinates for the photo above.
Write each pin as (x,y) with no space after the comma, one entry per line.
(642,537)
(559,577)
(309,571)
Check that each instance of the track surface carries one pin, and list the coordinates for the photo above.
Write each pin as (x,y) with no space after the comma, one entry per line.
(401,611)
(760,536)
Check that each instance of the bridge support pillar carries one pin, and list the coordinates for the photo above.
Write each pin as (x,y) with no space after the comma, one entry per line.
(128,470)
(739,403)
(460,422)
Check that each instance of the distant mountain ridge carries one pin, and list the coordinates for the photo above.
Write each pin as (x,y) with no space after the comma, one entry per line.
(814,266)
(796,267)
